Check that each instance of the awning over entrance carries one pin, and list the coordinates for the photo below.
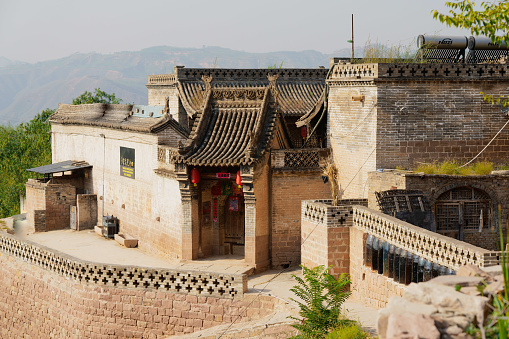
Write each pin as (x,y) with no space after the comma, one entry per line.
(64,166)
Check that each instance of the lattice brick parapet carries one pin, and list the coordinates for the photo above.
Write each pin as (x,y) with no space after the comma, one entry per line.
(176,281)
(322,212)
(437,248)
(161,79)
(416,70)
(299,159)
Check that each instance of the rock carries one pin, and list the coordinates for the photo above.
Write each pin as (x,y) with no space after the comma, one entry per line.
(470,290)
(455,280)
(495,287)
(410,326)
(472,271)
(398,305)
(447,300)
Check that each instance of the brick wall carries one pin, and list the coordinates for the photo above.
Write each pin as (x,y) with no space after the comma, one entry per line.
(371,288)
(425,121)
(409,116)
(288,190)
(351,127)
(59,199)
(86,211)
(325,238)
(35,302)
(35,204)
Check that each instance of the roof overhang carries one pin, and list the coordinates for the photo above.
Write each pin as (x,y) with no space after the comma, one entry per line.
(64,166)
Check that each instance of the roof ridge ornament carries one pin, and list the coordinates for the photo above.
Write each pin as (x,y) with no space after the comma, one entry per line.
(207,79)
(273,85)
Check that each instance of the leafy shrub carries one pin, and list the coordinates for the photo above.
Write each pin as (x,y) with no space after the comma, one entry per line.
(350,331)
(321,296)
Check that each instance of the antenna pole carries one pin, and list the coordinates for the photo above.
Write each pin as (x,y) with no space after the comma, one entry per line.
(353,53)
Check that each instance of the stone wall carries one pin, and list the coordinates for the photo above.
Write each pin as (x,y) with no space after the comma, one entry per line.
(35,301)
(288,191)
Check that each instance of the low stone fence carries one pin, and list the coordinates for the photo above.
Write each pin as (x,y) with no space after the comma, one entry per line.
(429,245)
(336,236)
(144,278)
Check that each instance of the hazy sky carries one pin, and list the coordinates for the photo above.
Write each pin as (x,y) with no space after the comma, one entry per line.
(37,30)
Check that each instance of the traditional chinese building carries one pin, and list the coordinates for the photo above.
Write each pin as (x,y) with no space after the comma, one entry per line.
(213,165)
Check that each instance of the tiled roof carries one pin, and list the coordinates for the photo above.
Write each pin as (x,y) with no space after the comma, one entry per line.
(315,109)
(299,89)
(234,129)
(113,116)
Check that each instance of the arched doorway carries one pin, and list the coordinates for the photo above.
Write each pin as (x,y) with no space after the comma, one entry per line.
(463,210)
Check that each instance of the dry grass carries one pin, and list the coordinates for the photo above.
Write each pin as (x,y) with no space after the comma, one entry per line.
(331,171)
(451,167)
(377,52)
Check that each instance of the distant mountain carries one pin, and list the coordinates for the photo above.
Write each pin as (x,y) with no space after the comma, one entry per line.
(27,89)
(4,62)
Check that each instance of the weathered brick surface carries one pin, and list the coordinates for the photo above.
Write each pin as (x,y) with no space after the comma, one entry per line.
(35,302)
(412,113)
(288,190)
(371,288)
(326,234)
(48,206)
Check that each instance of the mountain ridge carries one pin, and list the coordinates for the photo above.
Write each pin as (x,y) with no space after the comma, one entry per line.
(27,89)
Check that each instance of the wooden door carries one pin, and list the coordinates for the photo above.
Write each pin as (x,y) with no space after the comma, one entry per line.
(234,221)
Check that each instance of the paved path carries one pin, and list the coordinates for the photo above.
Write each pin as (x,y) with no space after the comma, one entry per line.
(88,245)
(280,287)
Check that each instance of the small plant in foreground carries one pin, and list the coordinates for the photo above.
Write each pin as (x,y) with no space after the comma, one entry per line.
(320,299)
(350,331)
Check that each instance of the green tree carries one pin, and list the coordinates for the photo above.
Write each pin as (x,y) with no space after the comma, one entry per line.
(28,145)
(490,19)
(97,97)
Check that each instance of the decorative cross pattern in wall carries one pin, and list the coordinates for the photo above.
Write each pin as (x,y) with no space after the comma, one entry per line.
(423,70)
(161,154)
(175,281)
(302,159)
(432,246)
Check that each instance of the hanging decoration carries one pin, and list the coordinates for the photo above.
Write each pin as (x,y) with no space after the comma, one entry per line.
(233,204)
(227,188)
(237,190)
(239,179)
(195,176)
(217,189)
(215,209)
(303,132)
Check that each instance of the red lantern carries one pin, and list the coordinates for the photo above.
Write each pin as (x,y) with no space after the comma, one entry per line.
(239,179)
(195,176)
(303,132)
